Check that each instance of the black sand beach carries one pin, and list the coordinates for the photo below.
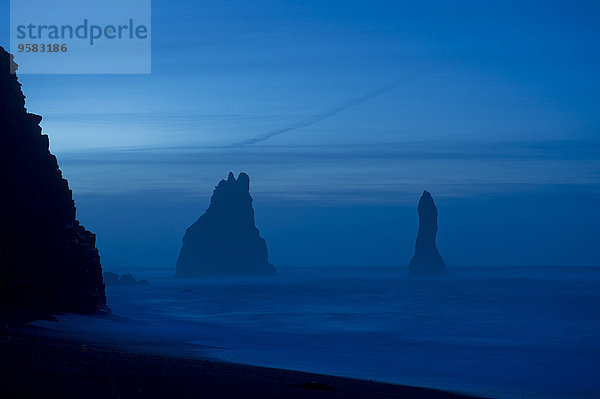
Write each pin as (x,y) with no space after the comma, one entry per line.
(35,364)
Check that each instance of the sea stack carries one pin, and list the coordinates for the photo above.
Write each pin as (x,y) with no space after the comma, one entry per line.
(48,261)
(427,259)
(225,240)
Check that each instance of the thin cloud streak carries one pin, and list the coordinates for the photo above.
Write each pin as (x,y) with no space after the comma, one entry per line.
(321,116)
(312,120)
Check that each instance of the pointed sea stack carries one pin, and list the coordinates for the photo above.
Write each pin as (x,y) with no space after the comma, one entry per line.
(427,259)
(225,240)
(48,261)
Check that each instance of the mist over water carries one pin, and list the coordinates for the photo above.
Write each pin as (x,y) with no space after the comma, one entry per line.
(505,332)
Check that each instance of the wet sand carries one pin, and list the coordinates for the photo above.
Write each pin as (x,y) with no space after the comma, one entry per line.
(34,363)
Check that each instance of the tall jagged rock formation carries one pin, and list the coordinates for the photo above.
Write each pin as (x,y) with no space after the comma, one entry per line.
(427,259)
(48,261)
(225,240)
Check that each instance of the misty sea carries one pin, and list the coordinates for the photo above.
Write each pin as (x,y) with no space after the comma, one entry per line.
(504,332)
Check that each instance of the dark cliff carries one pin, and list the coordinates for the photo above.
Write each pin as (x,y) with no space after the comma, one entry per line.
(48,261)
(427,259)
(225,240)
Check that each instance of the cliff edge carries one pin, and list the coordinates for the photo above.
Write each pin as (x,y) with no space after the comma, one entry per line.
(48,261)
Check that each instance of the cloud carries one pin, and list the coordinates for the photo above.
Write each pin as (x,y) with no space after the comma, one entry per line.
(383,172)
(320,116)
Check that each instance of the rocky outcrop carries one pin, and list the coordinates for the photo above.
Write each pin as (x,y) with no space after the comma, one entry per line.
(111,278)
(225,240)
(48,261)
(427,259)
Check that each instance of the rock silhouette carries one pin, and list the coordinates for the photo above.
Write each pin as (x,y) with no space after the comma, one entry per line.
(225,240)
(427,259)
(111,278)
(48,261)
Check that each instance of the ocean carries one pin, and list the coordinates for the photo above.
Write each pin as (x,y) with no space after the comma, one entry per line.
(504,332)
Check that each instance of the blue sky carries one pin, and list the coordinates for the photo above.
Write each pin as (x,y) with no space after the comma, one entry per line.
(494,106)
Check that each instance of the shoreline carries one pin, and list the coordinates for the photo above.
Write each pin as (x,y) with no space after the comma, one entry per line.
(34,362)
